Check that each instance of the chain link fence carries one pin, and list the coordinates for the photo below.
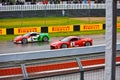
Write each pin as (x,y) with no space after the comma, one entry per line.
(88,75)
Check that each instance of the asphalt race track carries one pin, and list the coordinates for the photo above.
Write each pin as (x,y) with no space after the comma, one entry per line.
(10,47)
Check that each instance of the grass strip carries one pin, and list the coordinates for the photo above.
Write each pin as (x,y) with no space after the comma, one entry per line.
(48,21)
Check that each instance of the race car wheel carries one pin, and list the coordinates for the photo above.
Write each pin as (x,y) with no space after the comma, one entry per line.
(45,39)
(64,46)
(24,41)
(87,44)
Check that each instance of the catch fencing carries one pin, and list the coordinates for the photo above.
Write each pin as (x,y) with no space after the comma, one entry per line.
(52,7)
(84,63)
(52,10)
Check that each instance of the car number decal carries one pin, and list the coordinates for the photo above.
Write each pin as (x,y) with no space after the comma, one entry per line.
(72,44)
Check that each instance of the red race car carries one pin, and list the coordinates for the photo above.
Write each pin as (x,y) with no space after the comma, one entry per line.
(71,41)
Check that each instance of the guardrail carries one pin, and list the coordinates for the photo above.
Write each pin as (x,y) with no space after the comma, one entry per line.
(50,53)
(52,7)
(45,54)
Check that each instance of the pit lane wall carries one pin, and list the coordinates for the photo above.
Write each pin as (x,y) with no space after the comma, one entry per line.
(52,29)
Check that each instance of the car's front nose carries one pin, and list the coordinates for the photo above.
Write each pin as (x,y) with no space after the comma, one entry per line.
(54,46)
(17,39)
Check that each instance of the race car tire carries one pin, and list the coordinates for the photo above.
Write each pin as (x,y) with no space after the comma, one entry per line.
(64,46)
(24,41)
(87,44)
(45,39)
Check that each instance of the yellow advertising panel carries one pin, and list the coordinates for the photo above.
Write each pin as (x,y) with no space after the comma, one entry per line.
(118,25)
(65,28)
(2,31)
(87,27)
(26,30)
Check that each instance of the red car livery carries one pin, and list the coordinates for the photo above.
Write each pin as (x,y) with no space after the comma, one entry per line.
(71,41)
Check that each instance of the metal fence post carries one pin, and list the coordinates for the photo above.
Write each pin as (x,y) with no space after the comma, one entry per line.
(80,68)
(110,38)
(24,72)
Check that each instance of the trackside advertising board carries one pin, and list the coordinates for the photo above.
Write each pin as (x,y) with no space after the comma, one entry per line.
(2,31)
(65,28)
(26,30)
(118,25)
(88,27)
